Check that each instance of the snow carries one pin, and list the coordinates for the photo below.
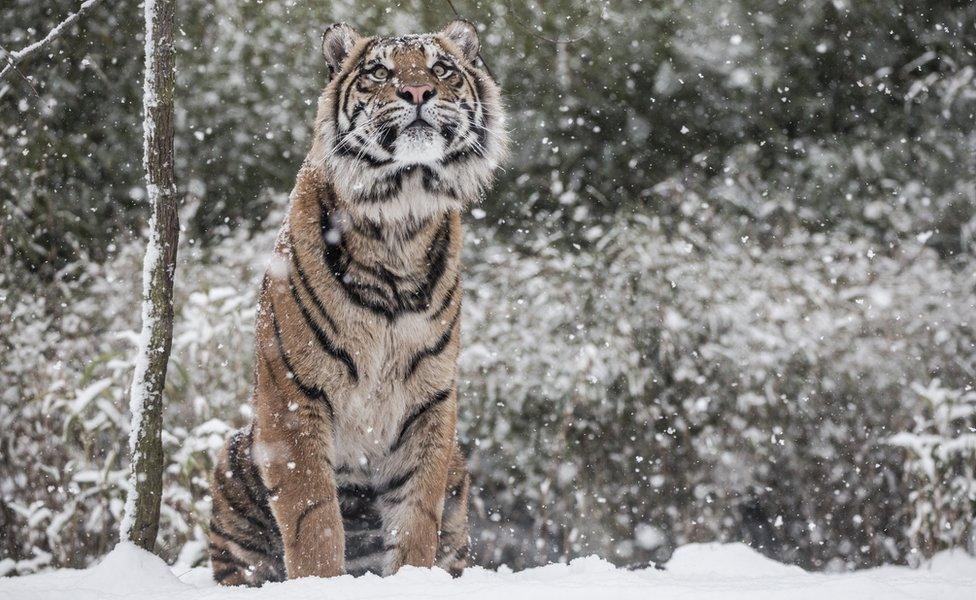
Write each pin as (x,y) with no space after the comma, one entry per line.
(140,381)
(88,394)
(699,571)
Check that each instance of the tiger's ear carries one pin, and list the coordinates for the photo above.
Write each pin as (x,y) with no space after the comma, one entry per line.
(337,42)
(465,37)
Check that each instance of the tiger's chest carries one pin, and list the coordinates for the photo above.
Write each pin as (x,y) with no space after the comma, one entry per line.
(370,413)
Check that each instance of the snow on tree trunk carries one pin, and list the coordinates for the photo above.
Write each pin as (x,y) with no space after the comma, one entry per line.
(140,522)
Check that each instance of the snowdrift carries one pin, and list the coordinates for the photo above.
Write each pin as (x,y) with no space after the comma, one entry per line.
(698,571)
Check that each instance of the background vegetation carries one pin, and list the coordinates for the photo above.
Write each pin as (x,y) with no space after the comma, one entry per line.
(723,290)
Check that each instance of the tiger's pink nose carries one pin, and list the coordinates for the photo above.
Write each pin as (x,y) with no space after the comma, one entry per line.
(416,94)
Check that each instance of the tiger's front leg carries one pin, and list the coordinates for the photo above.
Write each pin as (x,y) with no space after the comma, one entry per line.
(292,451)
(413,510)
(306,507)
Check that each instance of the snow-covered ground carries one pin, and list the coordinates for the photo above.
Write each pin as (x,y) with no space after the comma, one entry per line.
(700,571)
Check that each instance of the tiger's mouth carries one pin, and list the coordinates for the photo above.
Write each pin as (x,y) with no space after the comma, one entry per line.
(419,122)
(419,142)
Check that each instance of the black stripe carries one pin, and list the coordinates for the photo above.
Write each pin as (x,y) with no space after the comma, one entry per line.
(469,78)
(356,111)
(233,459)
(390,302)
(354,490)
(364,544)
(253,484)
(461,155)
(267,364)
(347,92)
(255,476)
(412,228)
(386,113)
(344,149)
(357,505)
(431,182)
(479,89)
(324,342)
(301,518)
(448,298)
(360,140)
(372,559)
(368,287)
(472,114)
(398,482)
(346,75)
(241,511)
(364,518)
(380,272)
(387,135)
(296,263)
(368,521)
(243,543)
(374,566)
(449,132)
(221,575)
(434,350)
(437,266)
(435,400)
(219,554)
(481,128)
(337,263)
(368,228)
(438,263)
(386,187)
(310,392)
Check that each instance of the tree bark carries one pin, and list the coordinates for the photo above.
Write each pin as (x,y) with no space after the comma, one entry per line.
(140,523)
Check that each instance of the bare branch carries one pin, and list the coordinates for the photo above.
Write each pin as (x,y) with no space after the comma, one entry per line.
(5,54)
(535,33)
(15,58)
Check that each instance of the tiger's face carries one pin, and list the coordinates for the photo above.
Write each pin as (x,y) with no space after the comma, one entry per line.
(408,126)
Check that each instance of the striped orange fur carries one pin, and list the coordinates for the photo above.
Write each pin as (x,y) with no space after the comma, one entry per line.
(351,463)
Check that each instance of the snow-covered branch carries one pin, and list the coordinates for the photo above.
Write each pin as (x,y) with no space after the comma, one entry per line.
(15,58)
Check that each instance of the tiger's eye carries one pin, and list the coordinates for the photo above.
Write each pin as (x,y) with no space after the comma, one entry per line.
(439,70)
(380,73)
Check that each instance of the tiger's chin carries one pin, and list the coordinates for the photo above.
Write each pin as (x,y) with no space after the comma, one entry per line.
(419,145)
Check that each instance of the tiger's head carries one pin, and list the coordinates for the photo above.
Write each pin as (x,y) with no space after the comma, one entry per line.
(407,126)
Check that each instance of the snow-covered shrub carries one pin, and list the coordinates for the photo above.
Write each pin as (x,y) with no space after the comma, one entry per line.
(62,411)
(655,387)
(65,392)
(713,387)
(941,461)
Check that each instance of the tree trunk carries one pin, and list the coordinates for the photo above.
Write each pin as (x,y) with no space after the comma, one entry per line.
(140,522)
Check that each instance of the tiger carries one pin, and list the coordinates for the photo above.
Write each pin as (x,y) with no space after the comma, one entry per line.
(351,463)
